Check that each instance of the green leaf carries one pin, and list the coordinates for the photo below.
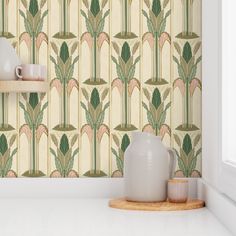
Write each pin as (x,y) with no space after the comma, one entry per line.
(166,93)
(120,164)
(150,26)
(85,93)
(116,47)
(22,14)
(54,139)
(64,144)
(147,2)
(73,48)
(86,3)
(187,144)
(64,52)
(33,7)
(156,7)
(151,119)
(42,3)
(145,106)
(8,164)
(95,7)
(196,47)
(55,49)
(198,152)
(177,140)
(165,3)
(101,26)
(73,140)
(146,93)
(27,117)
(3,144)
(116,140)
(182,167)
(192,165)
(33,100)
(177,48)
(104,3)
(135,48)
(102,23)
(104,93)
(198,60)
(100,119)
(12,140)
(24,2)
(125,142)
(197,139)
(187,52)
(76,151)
(95,99)
(156,98)
(125,52)
(89,25)
(40,25)
(69,166)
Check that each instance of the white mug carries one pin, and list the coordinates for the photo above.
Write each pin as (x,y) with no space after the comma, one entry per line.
(31,72)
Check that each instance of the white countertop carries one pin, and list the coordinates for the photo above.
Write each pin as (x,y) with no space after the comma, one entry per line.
(93,217)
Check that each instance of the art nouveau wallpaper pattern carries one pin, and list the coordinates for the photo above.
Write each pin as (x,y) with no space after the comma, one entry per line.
(114,66)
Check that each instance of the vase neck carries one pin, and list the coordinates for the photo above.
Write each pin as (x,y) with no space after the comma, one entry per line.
(144,136)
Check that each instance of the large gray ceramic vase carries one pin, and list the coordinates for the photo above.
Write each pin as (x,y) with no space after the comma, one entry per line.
(8,60)
(148,165)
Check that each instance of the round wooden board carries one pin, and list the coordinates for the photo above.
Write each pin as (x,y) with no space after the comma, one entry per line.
(121,203)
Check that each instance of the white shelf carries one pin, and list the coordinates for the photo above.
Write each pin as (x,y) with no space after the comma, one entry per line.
(19,86)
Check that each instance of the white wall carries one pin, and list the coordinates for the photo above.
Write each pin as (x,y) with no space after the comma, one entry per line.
(210,93)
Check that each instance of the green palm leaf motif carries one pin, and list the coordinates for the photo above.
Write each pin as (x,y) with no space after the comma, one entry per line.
(64,82)
(156,98)
(187,65)
(125,69)
(64,144)
(64,156)
(156,7)
(3,144)
(33,7)
(157,112)
(188,155)
(95,128)
(156,18)
(33,22)
(95,99)
(187,144)
(33,100)
(64,52)
(118,153)
(125,53)
(95,7)
(125,142)
(187,52)
(6,156)
(33,128)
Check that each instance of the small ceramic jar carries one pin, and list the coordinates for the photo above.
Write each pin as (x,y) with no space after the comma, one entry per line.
(177,190)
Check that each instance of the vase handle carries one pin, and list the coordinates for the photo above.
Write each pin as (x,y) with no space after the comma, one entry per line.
(172,162)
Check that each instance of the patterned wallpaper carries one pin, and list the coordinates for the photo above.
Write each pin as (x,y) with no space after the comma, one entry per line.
(114,66)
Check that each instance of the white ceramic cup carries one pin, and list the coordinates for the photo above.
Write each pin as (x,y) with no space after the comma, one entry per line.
(177,190)
(31,72)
